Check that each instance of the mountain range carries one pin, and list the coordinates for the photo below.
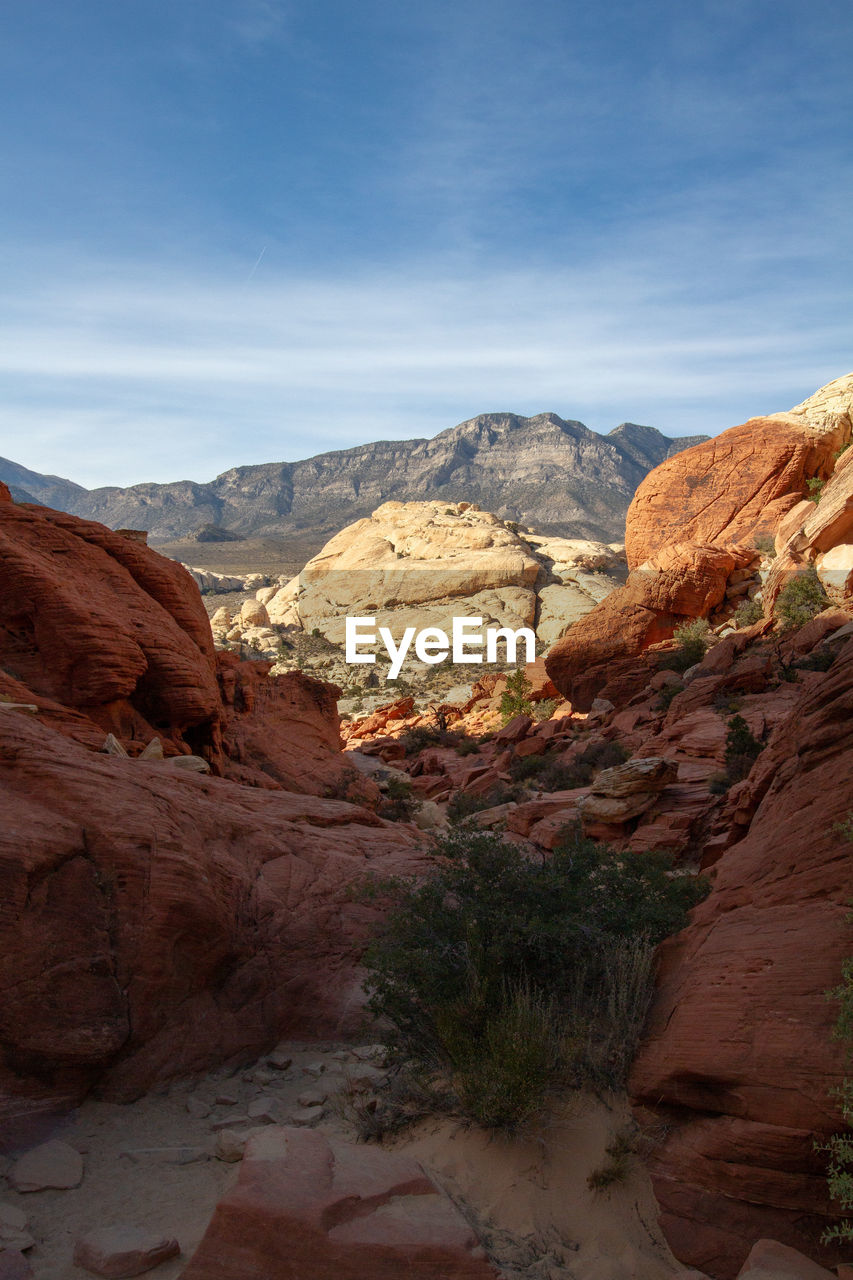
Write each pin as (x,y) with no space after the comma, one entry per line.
(556,475)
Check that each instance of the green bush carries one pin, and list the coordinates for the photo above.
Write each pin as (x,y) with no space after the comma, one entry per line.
(398,803)
(748,613)
(462,805)
(515,699)
(492,942)
(555,774)
(801,598)
(666,695)
(742,749)
(815,488)
(426,735)
(692,641)
(545,709)
(765,543)
(468,747)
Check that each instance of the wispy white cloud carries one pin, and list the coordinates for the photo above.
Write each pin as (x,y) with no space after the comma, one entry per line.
(118,374)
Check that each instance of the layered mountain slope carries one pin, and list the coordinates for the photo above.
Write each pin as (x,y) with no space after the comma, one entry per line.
(541,470)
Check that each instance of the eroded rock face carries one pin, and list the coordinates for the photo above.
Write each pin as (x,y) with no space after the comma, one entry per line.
(98,622)
(155,922)
(742,482)
(739,1059)
(310,1206)
(693,527)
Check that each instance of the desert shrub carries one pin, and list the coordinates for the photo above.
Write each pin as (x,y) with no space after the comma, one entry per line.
(515,699)
(558,776)
(815,488)
(742,749)
(493,946)
(545,709)
(398,803)
(800,599)
(462,805)
(620,1150)
(468,747)
(427,735)
(818,660)
(602,755)
(748,613)
(765,543)
(666,695)
(555,774)
(726,702)
(691,641)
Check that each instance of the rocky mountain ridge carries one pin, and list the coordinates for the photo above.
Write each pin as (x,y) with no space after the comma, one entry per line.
(556,474)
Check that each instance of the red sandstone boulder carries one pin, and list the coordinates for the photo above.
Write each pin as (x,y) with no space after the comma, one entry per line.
(153,923)
(309,1206)
(691,531)
(684,582)
(729,488)
(96,621)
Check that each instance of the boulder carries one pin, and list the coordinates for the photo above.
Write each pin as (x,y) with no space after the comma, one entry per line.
(315,1207)
(102,624)
(157,922)
(53,1165)
(743,481)
(254,614)
(121,1251)
(694,523)
(770,1260)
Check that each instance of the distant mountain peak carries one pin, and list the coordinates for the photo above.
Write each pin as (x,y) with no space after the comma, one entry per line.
(547,471)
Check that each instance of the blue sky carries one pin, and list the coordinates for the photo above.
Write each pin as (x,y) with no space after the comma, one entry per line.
(250,230)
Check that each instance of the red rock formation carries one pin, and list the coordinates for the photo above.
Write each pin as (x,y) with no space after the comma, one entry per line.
(739,1059)
(98,622)
(279,731)
(692,523)
(730,488)
(153,923)
(683,582)
(308,1206)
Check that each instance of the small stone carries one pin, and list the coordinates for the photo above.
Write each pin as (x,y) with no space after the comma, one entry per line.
(312,1098)
(369,1052)
(54,1165)
(14,1266)
(315,1069)
(197,1107)
(13,1228)
(226,1100)
(153,751)
(231,1122)
(231,1143)
(265,1109)
(112,746)
(123,1251)
(262,1076)
(306,1116)
(279,1060)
